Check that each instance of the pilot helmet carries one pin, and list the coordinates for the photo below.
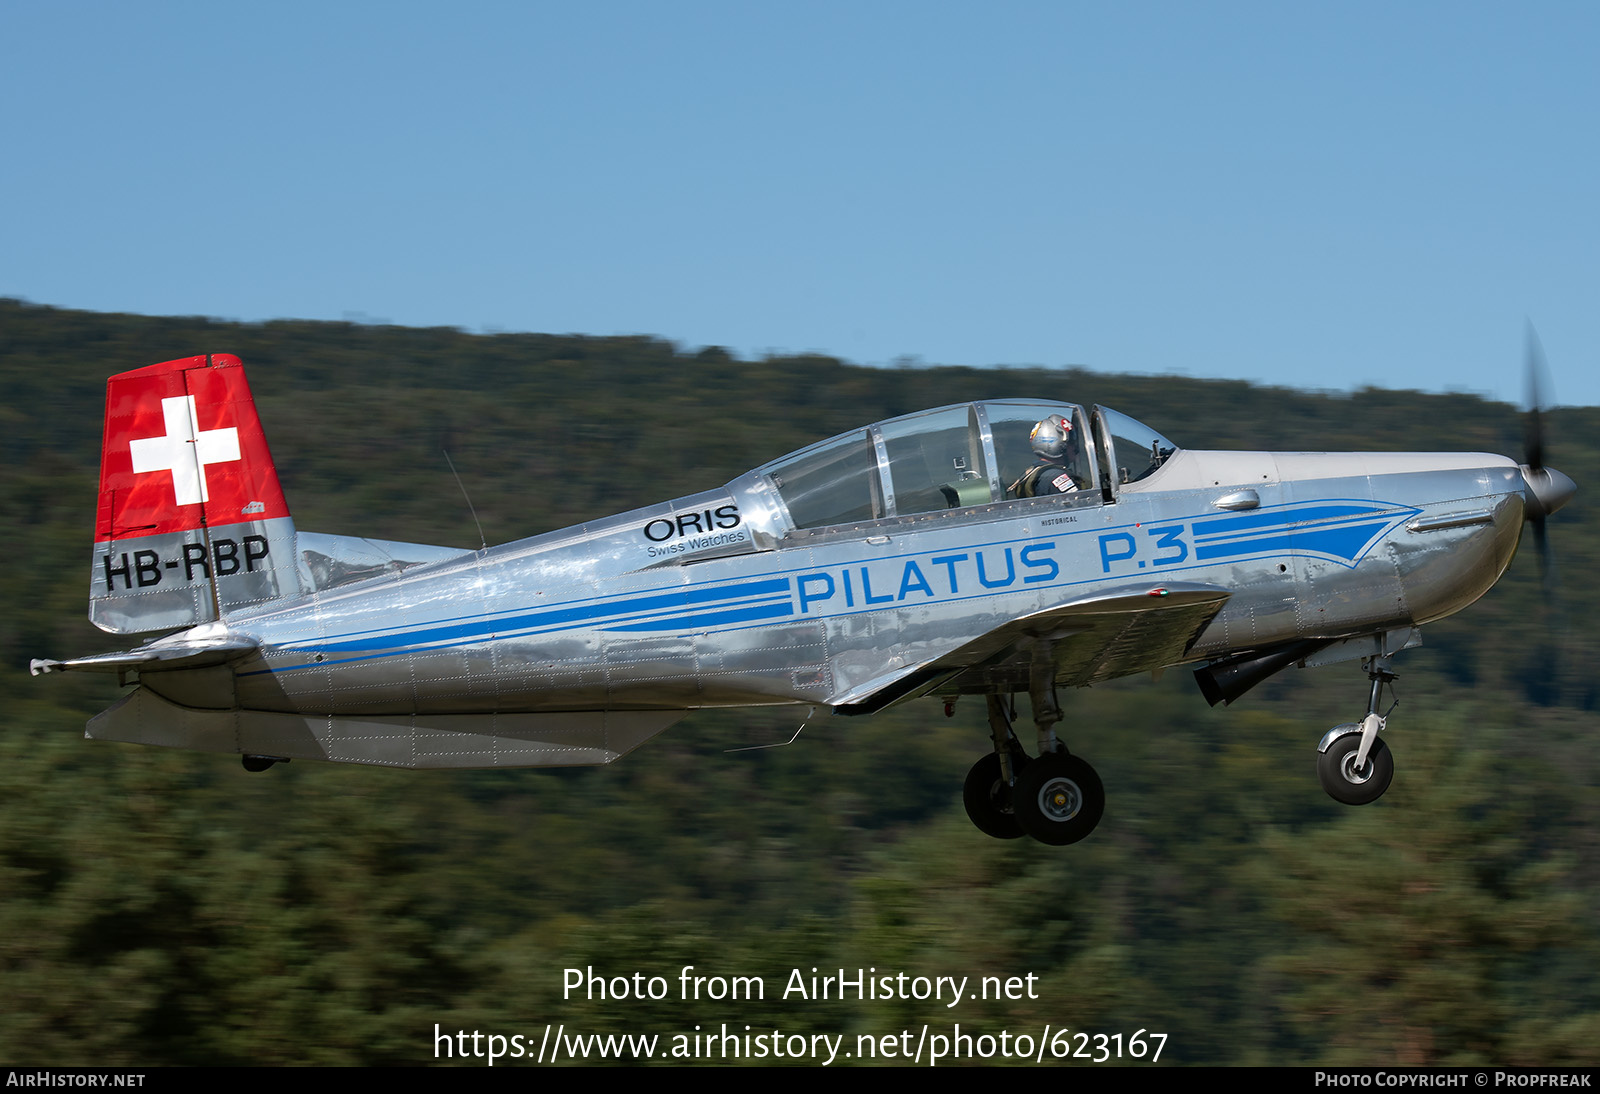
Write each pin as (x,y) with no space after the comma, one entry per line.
(1052,437)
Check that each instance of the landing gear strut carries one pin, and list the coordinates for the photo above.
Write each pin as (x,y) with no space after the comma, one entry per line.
(988,789)
(987,796)
(1354,766)
(1056,798)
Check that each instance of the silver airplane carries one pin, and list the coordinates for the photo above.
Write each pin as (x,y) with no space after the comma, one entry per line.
(988,548)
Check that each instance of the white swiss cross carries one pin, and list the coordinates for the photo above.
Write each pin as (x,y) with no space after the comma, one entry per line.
(184,451)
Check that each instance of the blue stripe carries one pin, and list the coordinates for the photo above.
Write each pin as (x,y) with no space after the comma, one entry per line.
(712,619)
(665,602)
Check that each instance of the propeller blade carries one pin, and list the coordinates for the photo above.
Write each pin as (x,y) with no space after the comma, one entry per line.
(1533,421)
(1545,490)
(1541,544)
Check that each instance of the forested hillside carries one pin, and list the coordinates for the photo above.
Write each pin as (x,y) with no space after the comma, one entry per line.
(162,907)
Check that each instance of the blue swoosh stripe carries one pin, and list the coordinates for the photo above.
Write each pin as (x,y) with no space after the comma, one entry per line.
(1220,526)
(1342,531)
(1344,542)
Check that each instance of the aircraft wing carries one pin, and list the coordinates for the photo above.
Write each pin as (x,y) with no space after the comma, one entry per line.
(1111,633)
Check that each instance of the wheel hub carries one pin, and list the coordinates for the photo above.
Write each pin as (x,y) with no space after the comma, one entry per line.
(1060,799)
(1352,774)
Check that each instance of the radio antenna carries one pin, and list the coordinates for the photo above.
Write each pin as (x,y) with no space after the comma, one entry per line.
(810,714)
(483,541)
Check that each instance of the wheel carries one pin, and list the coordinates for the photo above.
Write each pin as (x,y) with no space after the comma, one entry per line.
(1058,799)
(257,763)
(987,797)
(1337,769)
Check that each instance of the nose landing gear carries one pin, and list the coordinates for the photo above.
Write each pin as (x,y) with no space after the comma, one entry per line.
(1353,765)
(1345,777)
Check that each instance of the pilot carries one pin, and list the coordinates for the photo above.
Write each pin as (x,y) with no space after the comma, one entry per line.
(1055,472)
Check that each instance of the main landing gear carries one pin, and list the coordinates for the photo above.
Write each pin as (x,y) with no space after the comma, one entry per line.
(1059,798)
(987,795)
(1354,766)
(1054,797)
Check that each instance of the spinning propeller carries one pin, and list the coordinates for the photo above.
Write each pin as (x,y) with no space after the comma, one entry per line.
(1545,489)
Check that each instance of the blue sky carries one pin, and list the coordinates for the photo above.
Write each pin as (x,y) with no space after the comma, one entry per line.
(1316,195)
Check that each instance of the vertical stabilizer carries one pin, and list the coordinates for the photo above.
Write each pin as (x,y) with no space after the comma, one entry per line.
(191,520)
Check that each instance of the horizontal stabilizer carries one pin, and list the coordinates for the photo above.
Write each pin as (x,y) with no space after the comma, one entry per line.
(196,648)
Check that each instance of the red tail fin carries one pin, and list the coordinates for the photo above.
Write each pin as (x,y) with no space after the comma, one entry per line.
(191,520)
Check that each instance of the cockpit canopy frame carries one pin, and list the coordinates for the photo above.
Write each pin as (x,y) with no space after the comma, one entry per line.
(966,457)
(1128,450)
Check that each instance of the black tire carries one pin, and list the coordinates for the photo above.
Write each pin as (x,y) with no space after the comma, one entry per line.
(1058,799)
(1336,769)
(988,799)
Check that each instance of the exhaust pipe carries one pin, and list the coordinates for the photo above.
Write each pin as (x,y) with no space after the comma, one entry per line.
(1224,681)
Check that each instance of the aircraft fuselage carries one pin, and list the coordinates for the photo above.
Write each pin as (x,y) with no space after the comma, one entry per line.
(1388,541)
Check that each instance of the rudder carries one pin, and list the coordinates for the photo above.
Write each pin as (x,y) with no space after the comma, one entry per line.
(191,520)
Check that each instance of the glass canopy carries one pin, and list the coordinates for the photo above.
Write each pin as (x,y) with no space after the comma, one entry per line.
(950,458)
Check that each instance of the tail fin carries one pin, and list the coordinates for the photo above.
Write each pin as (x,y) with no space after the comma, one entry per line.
(191,520)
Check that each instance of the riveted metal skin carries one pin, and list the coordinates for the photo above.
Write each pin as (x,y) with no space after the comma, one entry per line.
(872,568)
